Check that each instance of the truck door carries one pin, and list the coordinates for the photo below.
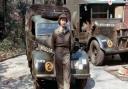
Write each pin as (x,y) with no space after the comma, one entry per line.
(85,23)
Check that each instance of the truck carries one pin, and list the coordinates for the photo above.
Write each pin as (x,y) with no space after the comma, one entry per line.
(40,23)
(99,26)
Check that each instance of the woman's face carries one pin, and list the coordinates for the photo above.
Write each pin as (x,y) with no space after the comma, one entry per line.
(63,22)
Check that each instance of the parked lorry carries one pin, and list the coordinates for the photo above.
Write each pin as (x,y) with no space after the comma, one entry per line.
(99,26)
(41,21)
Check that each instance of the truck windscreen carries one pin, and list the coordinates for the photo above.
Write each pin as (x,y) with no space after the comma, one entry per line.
(45,28)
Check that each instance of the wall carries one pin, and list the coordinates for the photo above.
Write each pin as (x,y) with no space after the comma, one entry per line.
(126,15)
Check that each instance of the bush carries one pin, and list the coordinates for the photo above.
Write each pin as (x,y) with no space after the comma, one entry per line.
(5,45)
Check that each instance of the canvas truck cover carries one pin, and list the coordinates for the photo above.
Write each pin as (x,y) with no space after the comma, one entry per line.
(47,12)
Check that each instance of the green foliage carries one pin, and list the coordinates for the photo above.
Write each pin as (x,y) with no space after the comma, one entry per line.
(15,11)
(22,7)
(14,21)
(5,45)
(13,41)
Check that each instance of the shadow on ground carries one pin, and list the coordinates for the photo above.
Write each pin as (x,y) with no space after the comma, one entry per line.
(53,84)
(3,67)
(90,84)
(113,60)
(23,82)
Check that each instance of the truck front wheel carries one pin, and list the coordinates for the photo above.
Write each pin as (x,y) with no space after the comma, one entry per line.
(37,84)
(96,55)
(124,57)
(78,84)
(81,83)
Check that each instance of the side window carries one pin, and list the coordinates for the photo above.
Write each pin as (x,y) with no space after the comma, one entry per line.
(33,28)
(64,2)
(119,12)
(99,11)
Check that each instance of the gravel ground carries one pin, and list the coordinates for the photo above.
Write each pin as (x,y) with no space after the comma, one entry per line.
(14,74)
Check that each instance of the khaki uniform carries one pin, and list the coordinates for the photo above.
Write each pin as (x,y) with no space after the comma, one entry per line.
(61,42)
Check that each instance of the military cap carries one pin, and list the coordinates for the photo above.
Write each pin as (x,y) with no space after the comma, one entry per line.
(62,16)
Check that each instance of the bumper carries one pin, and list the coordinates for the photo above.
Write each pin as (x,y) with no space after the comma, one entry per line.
(45,76)
(115,51)
(80,76)
(52,76)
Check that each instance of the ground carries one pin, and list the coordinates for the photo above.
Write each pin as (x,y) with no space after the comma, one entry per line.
(15,74)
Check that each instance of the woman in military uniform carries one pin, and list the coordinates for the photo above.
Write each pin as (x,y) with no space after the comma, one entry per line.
(61,42)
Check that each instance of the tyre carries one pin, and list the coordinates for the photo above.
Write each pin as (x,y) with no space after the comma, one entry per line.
(37,84)
(80,83)
(30,65)
(50,84)
(96,55)
(124,57)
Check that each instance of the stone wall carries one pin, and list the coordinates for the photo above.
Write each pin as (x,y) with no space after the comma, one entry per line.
(126,15)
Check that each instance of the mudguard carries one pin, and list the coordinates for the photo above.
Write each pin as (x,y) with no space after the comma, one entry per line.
(102,40)
(80,64)
(39,59)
